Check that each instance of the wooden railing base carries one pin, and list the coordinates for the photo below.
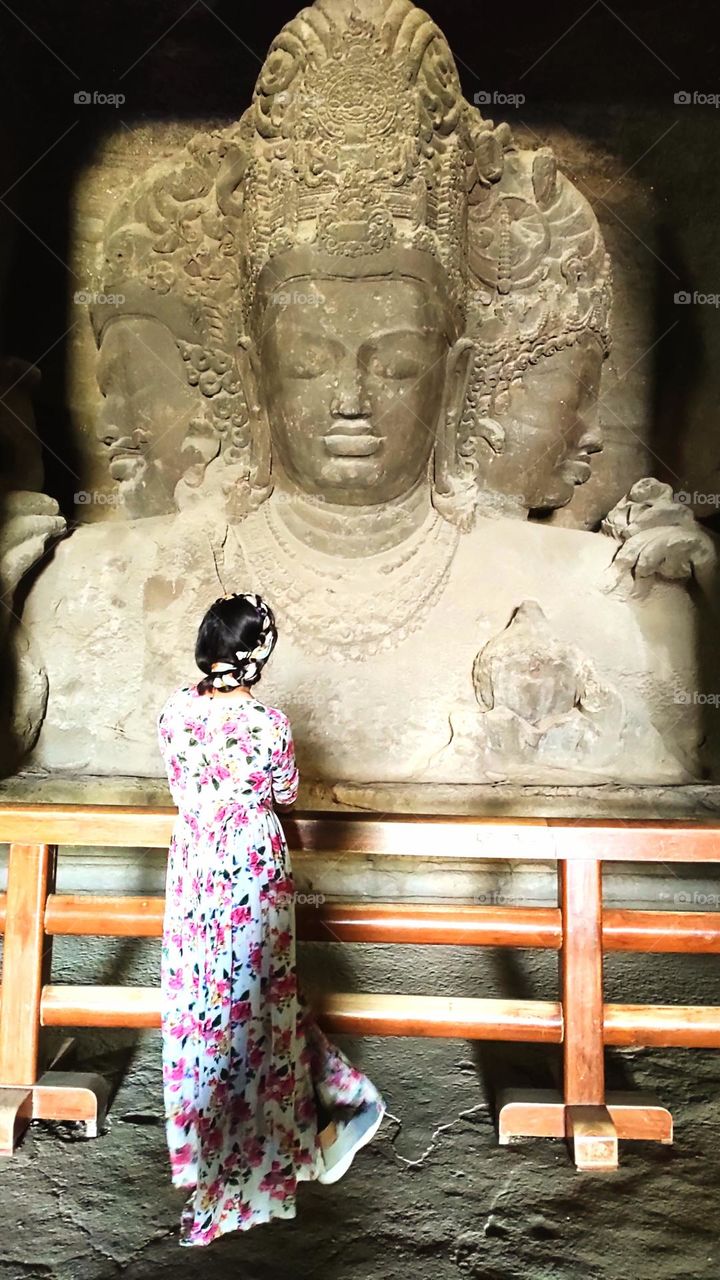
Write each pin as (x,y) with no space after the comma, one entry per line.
(592,1134)
(72,1095)
(15,1116)
(58,1095)
(593,1131)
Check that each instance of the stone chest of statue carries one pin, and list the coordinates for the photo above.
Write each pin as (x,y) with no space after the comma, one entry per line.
(360,341)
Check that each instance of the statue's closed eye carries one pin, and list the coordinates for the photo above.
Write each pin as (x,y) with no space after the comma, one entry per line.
(310,361)
(398,357)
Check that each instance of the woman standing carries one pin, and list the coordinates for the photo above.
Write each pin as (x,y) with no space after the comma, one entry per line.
(245,1067)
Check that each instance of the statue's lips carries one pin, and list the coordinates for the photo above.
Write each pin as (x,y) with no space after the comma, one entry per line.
(124,458)
(578,470)
(352,440)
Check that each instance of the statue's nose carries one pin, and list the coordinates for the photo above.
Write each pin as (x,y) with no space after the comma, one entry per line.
(591,440)
(107,429)
(350,401)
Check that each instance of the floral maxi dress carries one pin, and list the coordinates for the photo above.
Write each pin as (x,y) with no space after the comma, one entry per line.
(244,1064)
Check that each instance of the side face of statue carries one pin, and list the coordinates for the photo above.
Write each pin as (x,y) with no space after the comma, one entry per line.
(146,422)
(551,429)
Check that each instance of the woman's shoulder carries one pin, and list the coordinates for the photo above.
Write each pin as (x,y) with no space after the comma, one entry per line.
(179,696)
(275,715)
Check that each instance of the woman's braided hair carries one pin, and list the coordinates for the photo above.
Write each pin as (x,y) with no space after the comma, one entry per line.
(235,640)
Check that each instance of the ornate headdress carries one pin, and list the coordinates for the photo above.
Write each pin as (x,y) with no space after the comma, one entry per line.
(358,156)
(358,146)
(542,276)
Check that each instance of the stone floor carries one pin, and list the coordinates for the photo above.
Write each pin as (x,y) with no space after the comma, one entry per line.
(425,1200)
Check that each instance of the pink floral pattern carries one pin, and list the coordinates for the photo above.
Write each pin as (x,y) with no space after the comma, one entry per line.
(244,1063)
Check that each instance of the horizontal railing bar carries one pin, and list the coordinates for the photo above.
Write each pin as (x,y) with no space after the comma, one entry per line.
(689,932)
(624,929)
(423,924)
(361,1014)
(88,915)
(660,1026)
(462,1018)
(418,836)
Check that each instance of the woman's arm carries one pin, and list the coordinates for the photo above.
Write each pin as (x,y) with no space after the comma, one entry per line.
(285,776)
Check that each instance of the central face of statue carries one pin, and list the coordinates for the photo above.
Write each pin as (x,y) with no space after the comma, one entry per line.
(352,376)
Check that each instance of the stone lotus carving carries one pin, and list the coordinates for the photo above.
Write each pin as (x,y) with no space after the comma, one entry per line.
(659,537)
(358,160)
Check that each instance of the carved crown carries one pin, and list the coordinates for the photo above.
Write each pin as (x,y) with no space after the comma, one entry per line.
(359,155)
(358,142)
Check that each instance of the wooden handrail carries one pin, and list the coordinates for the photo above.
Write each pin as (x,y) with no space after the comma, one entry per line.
(351,1013)
(380,1014)
(397,835)
(32,913)
(461,924)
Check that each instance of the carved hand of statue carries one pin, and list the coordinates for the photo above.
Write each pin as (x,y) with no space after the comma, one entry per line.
(659,536)
(675,554)
(28,523)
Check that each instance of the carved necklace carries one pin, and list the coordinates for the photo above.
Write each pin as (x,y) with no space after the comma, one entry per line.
(344,607)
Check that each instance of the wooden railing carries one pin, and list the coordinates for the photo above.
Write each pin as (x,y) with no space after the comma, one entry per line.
(32,913)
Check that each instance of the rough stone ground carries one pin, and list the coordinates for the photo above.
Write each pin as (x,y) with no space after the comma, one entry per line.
(74,1209)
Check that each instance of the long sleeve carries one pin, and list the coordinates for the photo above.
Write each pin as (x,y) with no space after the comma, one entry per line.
(171,748)
(285,776)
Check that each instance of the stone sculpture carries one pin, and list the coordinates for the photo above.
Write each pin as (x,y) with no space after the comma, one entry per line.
(30,522)
(380,327)
(544,710)
(659,538)
(359,160)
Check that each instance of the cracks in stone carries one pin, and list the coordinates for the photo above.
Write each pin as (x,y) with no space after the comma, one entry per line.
(58,1189)
(491,1226)
(221,559)
(442,1128)
(92,1242)
(33,1270)
(141,1118)
(167,1234)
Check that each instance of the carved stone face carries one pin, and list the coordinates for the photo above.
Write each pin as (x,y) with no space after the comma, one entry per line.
(351,375)
(145,414)
(551,428)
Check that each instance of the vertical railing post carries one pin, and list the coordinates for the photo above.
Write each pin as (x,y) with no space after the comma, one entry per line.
(587,1121)
(26,961)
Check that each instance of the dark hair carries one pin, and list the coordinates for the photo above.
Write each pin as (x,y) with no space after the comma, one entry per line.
(233,623)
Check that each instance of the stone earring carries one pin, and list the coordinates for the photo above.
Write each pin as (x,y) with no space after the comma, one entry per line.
(454,466)
(259,454)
